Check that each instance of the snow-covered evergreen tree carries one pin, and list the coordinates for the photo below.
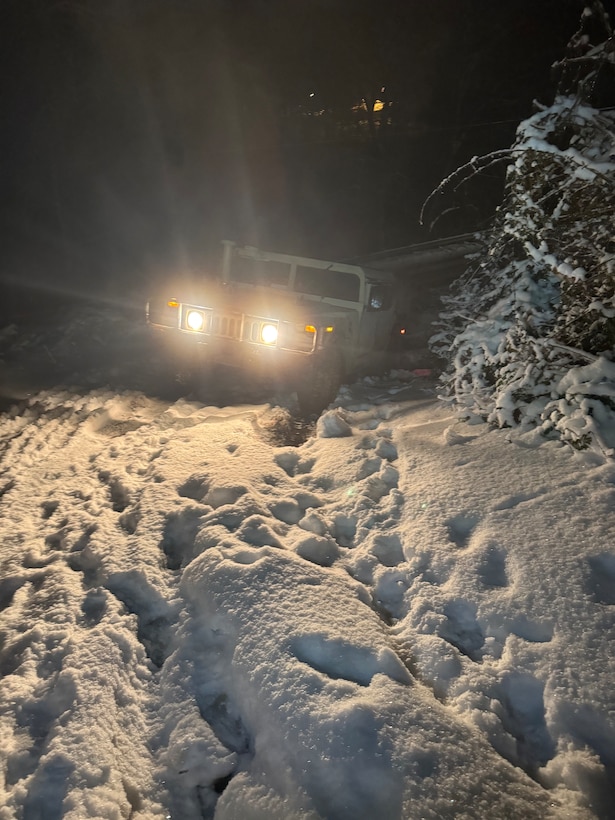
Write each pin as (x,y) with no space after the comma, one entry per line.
(529,330)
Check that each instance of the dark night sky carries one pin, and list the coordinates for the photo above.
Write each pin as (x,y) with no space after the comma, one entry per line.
(138,133)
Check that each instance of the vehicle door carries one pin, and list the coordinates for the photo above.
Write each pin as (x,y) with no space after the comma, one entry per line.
(378,318)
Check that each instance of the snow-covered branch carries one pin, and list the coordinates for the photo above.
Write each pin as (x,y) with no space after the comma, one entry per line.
(529,330)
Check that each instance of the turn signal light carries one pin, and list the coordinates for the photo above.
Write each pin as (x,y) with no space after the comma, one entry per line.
(312,329)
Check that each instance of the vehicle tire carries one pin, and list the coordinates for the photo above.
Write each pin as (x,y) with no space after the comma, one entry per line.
(320,384)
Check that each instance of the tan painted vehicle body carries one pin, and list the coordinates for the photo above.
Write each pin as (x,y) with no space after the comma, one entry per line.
(309,320)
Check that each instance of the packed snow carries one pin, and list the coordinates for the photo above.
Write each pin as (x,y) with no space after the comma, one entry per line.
(401,616)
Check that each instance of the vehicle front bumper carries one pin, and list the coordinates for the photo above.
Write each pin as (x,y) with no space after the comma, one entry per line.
(190,350)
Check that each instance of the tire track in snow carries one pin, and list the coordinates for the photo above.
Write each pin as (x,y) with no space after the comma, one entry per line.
(59,579)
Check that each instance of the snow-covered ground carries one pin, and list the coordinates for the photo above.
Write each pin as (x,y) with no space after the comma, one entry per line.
(401,617)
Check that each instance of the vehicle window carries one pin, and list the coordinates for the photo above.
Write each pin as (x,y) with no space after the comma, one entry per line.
(251,271)
(380,297)
(328,283)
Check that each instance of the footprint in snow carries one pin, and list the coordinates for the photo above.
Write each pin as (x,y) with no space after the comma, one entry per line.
(318,549)
(8,588)
(256,531)
(388,550)
(287,510)
(379,486)
(462,630)
(119,494)
(49,507)
(196,487)
(84,560)
(338,659)
(221,496)
(601,581)
(369,467)
(522,712)
(386,449)
(492,568)
(151,609)
(178,536)
(291,462)
(345,529)
(461,527)
(58,540)
(219,712)
(453,437)
(129,520)
(37,718)
(513,501)
(94,606)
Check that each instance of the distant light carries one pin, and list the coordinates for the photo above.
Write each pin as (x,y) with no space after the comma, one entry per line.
(378,105)
(173,303)
(312,94)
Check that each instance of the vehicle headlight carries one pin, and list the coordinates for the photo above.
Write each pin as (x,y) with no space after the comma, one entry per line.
(195,320)
(269,334)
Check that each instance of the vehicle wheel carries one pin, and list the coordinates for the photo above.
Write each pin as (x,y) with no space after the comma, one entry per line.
(320,384)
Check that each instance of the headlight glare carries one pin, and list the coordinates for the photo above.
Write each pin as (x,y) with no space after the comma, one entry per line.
(269,334)
(195,320)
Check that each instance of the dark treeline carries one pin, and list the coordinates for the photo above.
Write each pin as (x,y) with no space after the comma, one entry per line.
(138,133)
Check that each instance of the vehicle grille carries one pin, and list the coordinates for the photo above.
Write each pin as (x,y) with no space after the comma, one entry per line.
(227,325)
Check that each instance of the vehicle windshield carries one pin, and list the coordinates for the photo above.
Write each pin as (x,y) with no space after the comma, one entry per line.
(327,283)
(250,271)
